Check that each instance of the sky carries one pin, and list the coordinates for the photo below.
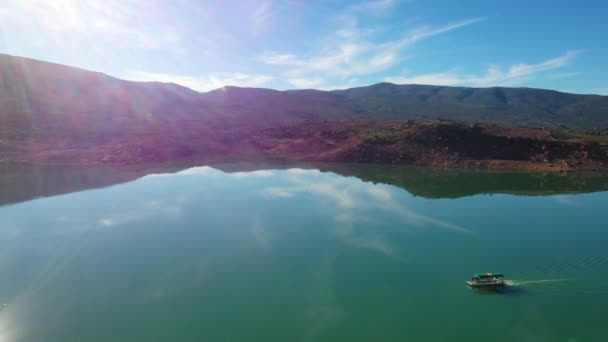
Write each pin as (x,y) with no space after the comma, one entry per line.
(329,44)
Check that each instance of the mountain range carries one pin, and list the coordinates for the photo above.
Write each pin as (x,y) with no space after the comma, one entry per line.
(52,112)
(41,98)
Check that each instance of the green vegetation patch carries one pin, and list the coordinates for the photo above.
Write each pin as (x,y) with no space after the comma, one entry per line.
(596,135)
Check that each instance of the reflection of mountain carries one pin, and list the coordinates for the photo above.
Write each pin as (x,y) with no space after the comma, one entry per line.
(19,183)
(23,182)
(452,183)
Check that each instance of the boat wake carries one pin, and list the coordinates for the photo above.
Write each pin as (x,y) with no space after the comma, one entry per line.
(531,282)
(557,285)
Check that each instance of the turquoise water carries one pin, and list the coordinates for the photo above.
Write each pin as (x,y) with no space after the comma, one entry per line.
(304,255)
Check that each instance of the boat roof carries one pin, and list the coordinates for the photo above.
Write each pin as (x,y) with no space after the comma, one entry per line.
(488,275)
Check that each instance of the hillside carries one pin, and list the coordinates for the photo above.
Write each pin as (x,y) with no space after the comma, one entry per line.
(505,106)
(43,98)
(51,113)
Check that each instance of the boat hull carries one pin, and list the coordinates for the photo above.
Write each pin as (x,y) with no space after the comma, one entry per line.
(493,285)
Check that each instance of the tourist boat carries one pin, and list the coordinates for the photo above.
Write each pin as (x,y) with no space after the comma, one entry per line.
(487,281)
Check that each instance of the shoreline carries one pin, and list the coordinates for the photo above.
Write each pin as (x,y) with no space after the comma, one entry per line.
(449,145)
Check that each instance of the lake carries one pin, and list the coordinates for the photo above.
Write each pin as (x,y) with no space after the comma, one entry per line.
(300,253)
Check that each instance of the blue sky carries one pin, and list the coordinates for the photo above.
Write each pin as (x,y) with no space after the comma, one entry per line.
(320,44)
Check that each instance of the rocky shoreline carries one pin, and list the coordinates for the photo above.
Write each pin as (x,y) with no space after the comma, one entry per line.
(420,143)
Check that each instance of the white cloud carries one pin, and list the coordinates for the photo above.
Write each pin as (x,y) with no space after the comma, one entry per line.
(350,52)
(445,78)
(302,82)
(428,31)
(279,59)
(514,75)
(550,64)
(383,60)
(202,83)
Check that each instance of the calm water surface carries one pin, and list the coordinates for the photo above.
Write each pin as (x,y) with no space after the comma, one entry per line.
(304,255)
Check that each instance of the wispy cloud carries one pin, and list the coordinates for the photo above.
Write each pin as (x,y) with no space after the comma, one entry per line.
(202,83)
(429,31)
(261,15)
(280,59)
(350,52)
(494,75)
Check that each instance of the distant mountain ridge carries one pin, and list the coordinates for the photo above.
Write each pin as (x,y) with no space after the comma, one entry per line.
(40,99)
(56,114)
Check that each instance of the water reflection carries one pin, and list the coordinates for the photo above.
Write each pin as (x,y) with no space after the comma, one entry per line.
(231,253)
(23,182)
(454,183)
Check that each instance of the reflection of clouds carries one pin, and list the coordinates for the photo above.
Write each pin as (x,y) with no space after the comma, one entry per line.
(332,191)
(6,333)
(260,234)
(252,174)
(151,210)
(199,170)
(379,193)
(423,220)
(322,308)
(305,172)
(375,243)
(354,202)
(207,170)
(327,190)
(278,192)
(350,194)
(106,222)
(566,199)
